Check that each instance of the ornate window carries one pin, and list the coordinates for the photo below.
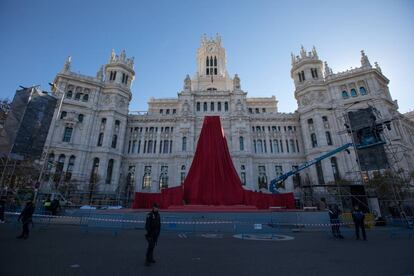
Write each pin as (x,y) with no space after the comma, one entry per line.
(241,143)
(226,106)
(204,106)
(278,170)
(69,169)
(319,173)
(219,106)
(325,121)
(80,118)
(146,179)
(109,171)
(134,145)
(198,106)
(114,141)
(353,93)
(182,174)
(345,95)
(328,138)
(212,106)
(314,72)
(164,177)
(100,139)
(335,170)
(63,114)
(184,144)
(276,146)
(67,134)
(85,97)
(310,124)
(262,178)
(292,145)
(78,96)
(94,172)
(313,140)
(243,175)
(362,90)
(69,94)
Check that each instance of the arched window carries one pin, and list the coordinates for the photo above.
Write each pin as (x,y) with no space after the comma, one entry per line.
(100,139)
(362,90)
(146,179)
(184,144)
(259,146)
(226,106)
(69,94)
(78,96)
(50,161)
(262,178)
(215,61)
(80,118)
(69,169)
(163,177)
(345,95)
(204,106)
(276,146)
(67,135)
(353,93)
(109,171)
(85,98)
(182,174)
(328,138)
(207,64)
(319,173)
(313,140)
(219,106)
(63,114)
(292,145)
(335,171)
(94,172)
(241,143)
(212,106)
(198,106)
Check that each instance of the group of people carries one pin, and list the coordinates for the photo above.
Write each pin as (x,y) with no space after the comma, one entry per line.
(358,218)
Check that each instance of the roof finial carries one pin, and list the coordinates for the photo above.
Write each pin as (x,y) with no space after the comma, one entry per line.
(328,70)
(364,60)
(112,58)
(302,52)
(314,53)
(67,65)
(377,67)
(293,58)
(123,55)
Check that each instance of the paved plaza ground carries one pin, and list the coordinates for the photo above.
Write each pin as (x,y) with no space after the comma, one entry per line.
(69,250)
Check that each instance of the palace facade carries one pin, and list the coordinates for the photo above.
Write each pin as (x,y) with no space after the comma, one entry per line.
(94,138)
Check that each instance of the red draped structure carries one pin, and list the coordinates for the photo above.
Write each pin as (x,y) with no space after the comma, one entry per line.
(212,178)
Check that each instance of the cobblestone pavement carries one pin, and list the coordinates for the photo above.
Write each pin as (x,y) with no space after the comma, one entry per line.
(70,250)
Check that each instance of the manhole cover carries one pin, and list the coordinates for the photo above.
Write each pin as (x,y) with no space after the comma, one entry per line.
(263,237)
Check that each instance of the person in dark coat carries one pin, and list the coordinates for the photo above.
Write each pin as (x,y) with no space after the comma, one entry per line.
(334,213)
(359,217)
(54,206)
(26,218)
(2,209)
(153,227)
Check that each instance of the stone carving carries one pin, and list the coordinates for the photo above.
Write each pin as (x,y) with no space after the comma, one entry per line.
(67,65)
(187,83)
(364,60)
(236,82)
(100,74)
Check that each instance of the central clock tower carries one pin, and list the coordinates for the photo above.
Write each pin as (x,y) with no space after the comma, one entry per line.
(211,58)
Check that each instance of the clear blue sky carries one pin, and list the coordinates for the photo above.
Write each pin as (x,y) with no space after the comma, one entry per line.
(163,36)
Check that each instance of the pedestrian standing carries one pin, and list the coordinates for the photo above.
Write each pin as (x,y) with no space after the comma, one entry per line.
(359,217)
(2,209)
(334,213)
(26,218)
(153,227)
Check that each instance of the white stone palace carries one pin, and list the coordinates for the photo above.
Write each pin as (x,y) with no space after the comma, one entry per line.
(94,137)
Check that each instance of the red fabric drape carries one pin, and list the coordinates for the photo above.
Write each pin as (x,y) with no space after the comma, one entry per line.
(212,178)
